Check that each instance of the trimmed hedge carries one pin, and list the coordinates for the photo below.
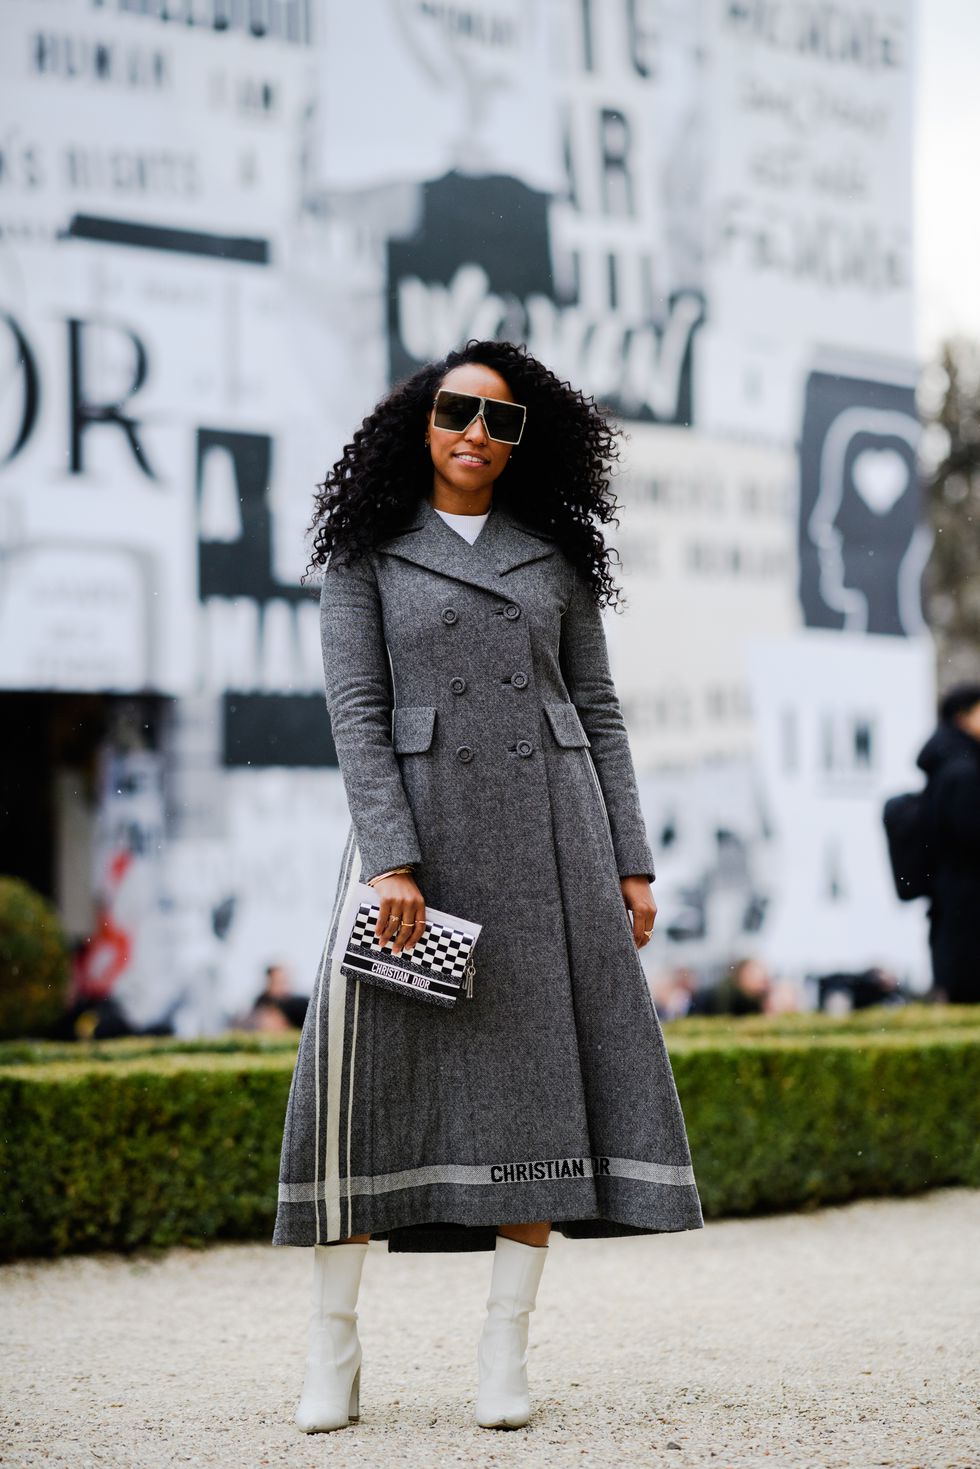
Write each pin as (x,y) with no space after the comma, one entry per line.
(881,1019)
(153,1152)
(244,1042)
(126,1144)
(785,1122)
(34,961)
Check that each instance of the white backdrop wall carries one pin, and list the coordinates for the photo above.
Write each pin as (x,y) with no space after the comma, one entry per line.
(225,227)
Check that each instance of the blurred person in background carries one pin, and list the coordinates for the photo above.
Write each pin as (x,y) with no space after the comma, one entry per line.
(277,1008)
(784,998)
(265,1017)
(951,761)
(673,993)
(278,995)
(92,1011)
(839,994)
(746,989)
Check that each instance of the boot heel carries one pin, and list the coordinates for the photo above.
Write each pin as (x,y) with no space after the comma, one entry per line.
(354,1407)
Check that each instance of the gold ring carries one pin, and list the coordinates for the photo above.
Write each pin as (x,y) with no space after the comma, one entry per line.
(647,932)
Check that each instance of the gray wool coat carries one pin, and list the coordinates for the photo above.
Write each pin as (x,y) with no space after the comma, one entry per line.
(479,735)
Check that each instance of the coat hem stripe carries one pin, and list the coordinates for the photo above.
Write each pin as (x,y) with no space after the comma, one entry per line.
(536,1171)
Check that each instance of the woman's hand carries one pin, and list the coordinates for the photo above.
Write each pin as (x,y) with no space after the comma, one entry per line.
(639,900)
(401,902)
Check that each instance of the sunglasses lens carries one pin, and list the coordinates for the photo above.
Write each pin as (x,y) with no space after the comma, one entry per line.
(504,421)
(455,411)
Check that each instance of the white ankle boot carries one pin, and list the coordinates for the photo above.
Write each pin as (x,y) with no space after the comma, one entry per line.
(502,1399)
(332,1386)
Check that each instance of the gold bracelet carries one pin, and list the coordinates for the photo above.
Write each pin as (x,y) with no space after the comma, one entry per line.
(394,871)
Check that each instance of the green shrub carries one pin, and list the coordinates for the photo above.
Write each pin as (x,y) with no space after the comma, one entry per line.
(883,1019)
(34,961)
(813,1026)
(232,1042)
(121,1148)
(170,1150)
(781,1122)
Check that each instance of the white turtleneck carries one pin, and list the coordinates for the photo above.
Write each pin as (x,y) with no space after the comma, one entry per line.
(469,526)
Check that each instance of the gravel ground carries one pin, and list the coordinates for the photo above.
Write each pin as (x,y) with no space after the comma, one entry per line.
(845,1337)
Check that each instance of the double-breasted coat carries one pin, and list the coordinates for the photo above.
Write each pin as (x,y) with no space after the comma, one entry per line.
(479,736)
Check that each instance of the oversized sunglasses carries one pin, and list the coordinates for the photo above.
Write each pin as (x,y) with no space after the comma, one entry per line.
(454,413)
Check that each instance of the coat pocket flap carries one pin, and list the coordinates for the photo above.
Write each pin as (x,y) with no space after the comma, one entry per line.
(412,726)
(566,725)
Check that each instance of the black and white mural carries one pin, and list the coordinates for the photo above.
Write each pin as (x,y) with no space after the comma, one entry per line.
(225,228)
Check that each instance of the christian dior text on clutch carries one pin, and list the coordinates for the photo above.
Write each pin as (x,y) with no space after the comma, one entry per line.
(438,967)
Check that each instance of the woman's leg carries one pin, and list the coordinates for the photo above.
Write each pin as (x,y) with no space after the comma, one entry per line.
(527,1234)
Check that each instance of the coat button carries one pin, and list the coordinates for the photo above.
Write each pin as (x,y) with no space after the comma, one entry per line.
(512,611)
(463,752)
(457,685)
(524,747)
(519,680)
(449,614)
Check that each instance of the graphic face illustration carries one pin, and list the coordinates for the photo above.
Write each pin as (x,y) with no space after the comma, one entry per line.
(862,543)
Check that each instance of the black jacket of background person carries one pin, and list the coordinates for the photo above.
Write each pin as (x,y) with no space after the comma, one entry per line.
(951,761)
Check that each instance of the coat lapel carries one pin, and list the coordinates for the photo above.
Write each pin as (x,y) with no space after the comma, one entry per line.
(502,545)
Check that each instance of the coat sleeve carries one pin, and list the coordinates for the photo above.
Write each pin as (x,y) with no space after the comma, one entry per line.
(357,683)
(584,660)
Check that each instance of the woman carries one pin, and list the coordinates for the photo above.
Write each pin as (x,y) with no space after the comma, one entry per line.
(488,774)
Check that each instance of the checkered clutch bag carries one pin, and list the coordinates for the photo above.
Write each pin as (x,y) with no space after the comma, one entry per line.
(437,969)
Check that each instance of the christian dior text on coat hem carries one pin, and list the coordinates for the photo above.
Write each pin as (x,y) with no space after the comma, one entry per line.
(480,737)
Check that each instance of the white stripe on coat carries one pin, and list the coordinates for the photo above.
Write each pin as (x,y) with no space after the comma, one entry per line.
(336,1024)
(348,865)
(316,1090)
(350,1096)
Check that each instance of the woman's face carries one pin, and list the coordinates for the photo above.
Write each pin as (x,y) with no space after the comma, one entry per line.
(467,464)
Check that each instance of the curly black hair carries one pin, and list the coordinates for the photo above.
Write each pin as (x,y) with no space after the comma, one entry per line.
(557,482)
